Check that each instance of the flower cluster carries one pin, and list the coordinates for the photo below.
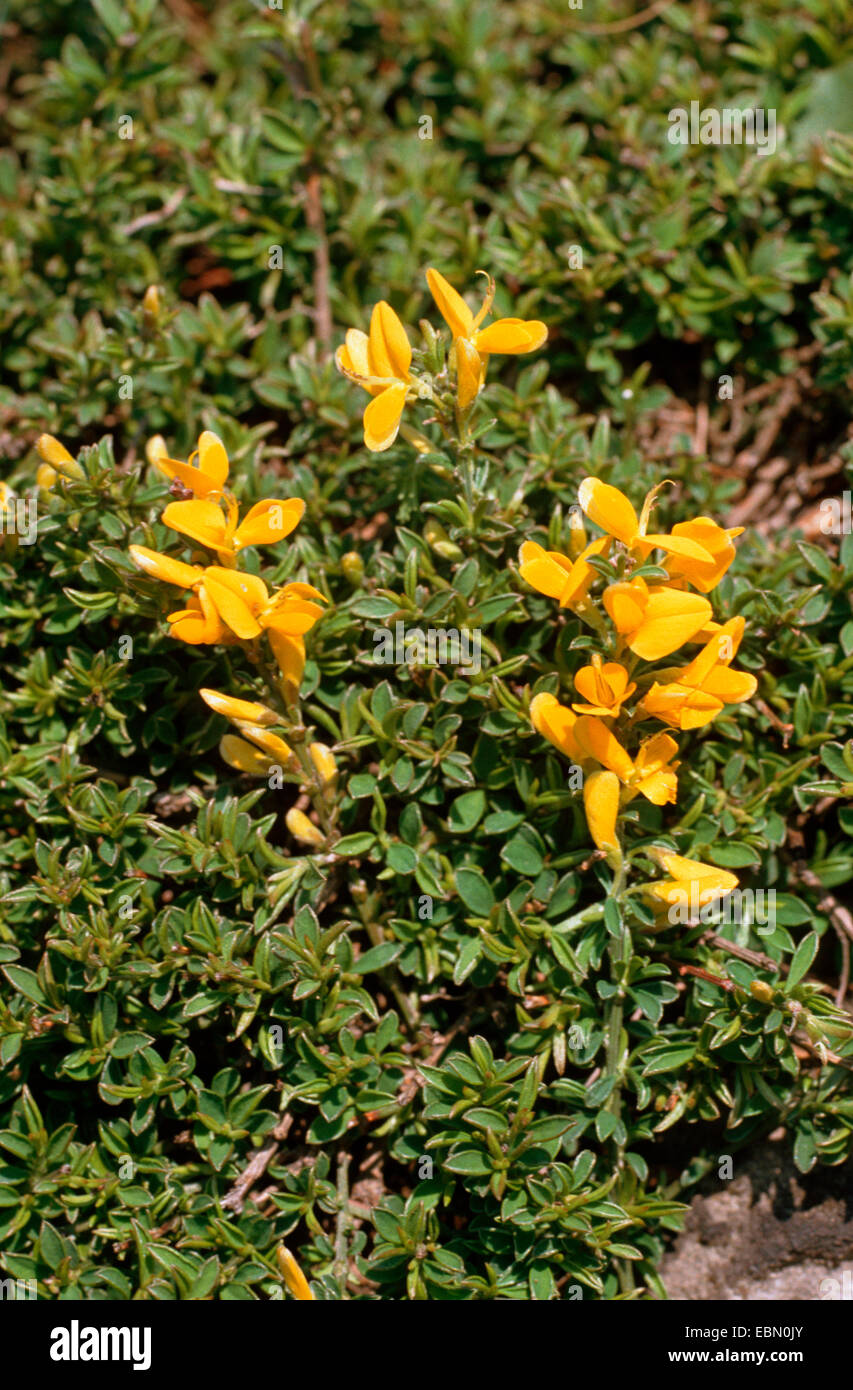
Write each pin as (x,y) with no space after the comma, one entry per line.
(230,606)
(647,618)
(381,360)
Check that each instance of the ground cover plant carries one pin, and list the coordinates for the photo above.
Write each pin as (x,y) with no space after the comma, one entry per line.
(427,640)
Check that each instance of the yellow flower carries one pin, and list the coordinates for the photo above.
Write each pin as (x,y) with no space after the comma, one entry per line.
(556,723)
(653,619)
(689,880)
(293,1277)
(165,568)
(605,686)
(652,772)
(245,605)
(473,345)
(198,623)
(380,362)
(704,575)
(55,459)
(265,752)
(301,828)
(601,804)
(208,478)
(611,510)
(324,763)
(264,524)
(691,696)
(238,711)
(289,652)
(556,575)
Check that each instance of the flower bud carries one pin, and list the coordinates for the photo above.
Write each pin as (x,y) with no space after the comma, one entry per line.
(151,302)
(759,989)
(324,763)
(352,567)
(293,1277)
(577,532)
(58,459)
(438,540)
(301,828)
(155,448)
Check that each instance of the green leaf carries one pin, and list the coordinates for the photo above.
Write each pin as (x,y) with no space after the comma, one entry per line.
(474,891)
(803,957)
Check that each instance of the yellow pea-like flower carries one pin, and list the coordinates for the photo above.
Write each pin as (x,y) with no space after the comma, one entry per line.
(556,723)
(324,763)
(612,511)
(690,881)
(208,476)
(380,361)
(601,805)
(203,521)
(293,1277)
(472,344)
(239,711)
(605,686)
(653,619)
(556,575)
(301,828)
(55,459)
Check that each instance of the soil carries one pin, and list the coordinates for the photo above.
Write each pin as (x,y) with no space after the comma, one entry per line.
(769,1233)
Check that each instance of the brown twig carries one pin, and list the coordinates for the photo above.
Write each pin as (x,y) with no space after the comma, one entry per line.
(151,219)
(633,21)
(257,1166)
(316,220)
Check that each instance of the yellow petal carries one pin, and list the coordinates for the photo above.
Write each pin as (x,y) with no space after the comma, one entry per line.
(249,711)
(294,618)
(556,723)
(269,521)
(202,521)
(289,652)
(352,356)
(671,618)
(155,448)
(610,509)
(293,1276)
(238,599)
(382,418)
(601,804)
(626,604)
(511,336)
(389,352)
(165,568)
(732,687)
(212,458)
(596,740)
(324,763)
(719,650)
(544,570)
(302,828)
(717,543)
(277,750)
(198,623)
(450,305)
(243,756)
(52,452)
(469,373)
